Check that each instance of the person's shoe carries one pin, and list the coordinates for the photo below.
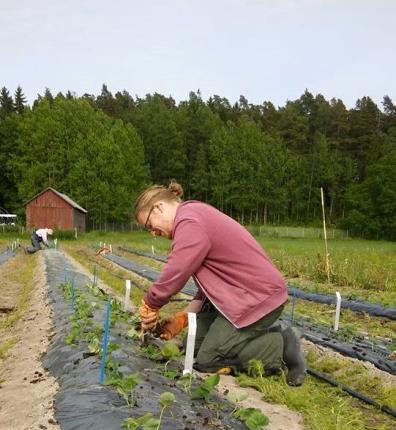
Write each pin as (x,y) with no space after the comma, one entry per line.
(293,356)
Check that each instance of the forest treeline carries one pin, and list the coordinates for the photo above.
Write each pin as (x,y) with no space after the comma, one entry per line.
(257,163)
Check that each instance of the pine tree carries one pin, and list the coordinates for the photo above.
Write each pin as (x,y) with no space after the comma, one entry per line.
(6,103)
(20,100)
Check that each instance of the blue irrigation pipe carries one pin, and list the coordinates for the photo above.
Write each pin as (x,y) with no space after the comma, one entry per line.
(105,342)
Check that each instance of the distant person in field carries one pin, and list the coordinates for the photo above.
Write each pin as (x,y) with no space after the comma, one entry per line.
(240,294)
(39,236)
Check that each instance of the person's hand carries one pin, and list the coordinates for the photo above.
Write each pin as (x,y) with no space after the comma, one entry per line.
(148,316)
(173,325)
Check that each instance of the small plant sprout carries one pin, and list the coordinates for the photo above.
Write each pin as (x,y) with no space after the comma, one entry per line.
(170,351)
(126,387)
(186,381)
(253,418)
(147,421)
(166,399)
(204,390)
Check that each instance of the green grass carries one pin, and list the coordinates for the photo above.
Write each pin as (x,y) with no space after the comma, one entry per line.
(324,407)
(360,268)
(6,346)
(23,279)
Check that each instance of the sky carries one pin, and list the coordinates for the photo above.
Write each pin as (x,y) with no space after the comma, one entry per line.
(266,50)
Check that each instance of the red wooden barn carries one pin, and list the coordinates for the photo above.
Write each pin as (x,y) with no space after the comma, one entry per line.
(52,209)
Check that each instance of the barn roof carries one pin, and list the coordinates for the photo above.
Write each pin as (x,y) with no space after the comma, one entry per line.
(61,195)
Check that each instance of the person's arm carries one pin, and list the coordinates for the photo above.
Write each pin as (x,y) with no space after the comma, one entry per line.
(190,248)
(45,237)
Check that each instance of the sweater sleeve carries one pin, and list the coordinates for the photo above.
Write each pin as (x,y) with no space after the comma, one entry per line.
(190,248)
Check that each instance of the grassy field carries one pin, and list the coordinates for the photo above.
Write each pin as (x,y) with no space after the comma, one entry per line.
(365,269)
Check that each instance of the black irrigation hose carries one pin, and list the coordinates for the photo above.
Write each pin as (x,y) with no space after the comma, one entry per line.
(352,392)
(355,305)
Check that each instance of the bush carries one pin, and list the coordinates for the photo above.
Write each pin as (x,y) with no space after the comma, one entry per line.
(64,235)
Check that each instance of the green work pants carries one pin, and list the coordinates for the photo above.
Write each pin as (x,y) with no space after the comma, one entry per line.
(218,339)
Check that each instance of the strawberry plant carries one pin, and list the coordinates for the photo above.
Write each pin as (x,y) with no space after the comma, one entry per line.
(253,418)
(147,421)
(125,387)
(204,390)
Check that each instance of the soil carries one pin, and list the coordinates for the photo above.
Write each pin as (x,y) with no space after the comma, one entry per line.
(27,390)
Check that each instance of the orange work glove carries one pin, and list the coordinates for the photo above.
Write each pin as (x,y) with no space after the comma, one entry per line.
(173,325)
(148,316)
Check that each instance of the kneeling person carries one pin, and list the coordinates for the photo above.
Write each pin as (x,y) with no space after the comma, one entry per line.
(240,295)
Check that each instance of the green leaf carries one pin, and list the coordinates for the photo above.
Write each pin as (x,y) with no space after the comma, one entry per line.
(253,418)
(204,390)
(237,397)
(170,350)
(166,399)
(134,423)
(151,424)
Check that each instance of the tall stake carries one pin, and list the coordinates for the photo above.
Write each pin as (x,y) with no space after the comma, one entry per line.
(325,236)
(102,374)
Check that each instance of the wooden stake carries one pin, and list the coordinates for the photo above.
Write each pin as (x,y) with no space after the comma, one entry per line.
(325,237)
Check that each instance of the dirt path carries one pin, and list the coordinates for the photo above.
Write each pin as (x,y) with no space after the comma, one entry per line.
(26,390)
(281,418)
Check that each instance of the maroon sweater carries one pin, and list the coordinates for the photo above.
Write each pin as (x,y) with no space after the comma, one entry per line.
(229,267)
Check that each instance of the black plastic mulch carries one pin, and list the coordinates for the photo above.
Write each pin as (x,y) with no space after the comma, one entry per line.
(355,348)
(147,272)
(81,402)
(355,305)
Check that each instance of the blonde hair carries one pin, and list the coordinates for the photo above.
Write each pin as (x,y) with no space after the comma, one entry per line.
(172,193)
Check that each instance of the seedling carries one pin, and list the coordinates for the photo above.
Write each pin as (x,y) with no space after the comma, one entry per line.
(125,387)
(186,381)
(253,418)
(151,352)
(204,390)
(170,351)
(147,421)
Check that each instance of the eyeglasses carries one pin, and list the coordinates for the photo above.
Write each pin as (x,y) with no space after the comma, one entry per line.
(147,219)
